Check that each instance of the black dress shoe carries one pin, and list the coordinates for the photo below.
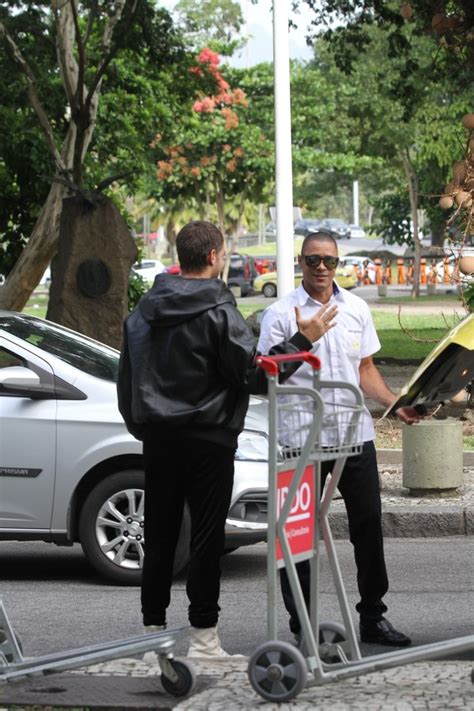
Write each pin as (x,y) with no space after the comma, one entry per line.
(382,632)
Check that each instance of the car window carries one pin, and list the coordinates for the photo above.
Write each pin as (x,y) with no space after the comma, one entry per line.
(79,351)
(7,359)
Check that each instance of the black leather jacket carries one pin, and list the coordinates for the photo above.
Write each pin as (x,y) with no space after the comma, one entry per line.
(187,361)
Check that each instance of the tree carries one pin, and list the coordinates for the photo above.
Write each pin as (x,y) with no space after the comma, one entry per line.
(398,110)
(344,23)
(211,23)
(77,45)
(214,154)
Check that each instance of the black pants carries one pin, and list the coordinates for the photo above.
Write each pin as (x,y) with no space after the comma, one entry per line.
(359,487)
(202,473)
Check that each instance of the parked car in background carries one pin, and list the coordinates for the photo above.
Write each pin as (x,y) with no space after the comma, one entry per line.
(242,272)
(267,283)
(357,232)
(69,469)
(46,278)
(2,279)
(358,262)
(173,269)
(336,228)
(148,269)
(271,229)
(306,227)
(265,264)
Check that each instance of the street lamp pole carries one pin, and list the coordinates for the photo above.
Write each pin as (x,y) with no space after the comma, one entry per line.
(283,158)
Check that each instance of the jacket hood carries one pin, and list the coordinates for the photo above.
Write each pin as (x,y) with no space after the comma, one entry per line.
(175,299)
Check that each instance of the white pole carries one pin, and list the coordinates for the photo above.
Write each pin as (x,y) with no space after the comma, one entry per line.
(284,173)
(355,202)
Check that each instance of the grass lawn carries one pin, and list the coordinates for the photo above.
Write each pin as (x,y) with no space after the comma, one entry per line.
(429,328)
(424,299)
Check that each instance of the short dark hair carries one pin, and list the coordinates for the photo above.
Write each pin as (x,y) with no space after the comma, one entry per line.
(319,236)
(194,242)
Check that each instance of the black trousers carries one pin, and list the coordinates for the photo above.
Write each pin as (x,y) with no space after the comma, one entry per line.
(181,469)
(359,487)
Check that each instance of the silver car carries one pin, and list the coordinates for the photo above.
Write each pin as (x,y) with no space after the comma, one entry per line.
(69,469)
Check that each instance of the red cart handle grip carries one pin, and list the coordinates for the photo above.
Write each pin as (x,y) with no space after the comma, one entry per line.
(270,363)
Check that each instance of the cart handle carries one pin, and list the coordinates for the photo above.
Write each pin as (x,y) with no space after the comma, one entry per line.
(270,363)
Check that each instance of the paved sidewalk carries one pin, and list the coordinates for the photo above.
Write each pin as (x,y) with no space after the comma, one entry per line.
(224,686)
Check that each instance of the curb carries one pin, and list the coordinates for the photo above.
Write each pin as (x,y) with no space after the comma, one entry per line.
(394,456)
(404,522)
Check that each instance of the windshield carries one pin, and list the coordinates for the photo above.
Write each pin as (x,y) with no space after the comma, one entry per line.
(83,353)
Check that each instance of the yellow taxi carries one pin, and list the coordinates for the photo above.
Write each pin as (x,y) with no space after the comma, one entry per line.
(267,283)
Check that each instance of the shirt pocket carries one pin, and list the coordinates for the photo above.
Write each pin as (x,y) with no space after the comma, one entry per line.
(352,343)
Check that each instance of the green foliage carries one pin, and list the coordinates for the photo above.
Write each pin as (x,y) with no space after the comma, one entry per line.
(211,23)
(142,89)
(468,296)
(346,25)
(137,287)
(214,152)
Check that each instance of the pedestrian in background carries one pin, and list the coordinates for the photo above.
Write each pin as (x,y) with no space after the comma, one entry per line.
(387,272)
(401,277)
(345,347)
(186,370)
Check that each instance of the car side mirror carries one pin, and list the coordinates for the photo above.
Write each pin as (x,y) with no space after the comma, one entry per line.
(18,381)
(18,377)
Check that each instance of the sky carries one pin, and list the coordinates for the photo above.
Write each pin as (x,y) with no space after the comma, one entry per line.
(259,27)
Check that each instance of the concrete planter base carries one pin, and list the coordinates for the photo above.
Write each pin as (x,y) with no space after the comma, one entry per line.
(432,457)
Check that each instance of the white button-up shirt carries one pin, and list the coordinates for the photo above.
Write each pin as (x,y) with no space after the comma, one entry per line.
(340,349)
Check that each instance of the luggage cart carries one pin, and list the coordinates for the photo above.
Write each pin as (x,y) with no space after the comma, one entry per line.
(177,677)
(308,426)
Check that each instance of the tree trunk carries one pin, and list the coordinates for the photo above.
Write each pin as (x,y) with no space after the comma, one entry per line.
(36,255)
(413,195)
(89,289)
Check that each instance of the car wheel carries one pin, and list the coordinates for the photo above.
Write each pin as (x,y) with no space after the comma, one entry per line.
(111,528)
(269,290)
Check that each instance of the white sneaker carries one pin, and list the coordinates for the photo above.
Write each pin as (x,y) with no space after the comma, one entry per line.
(205,643)
(151,657)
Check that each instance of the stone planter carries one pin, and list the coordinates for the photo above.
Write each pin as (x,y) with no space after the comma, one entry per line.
(432,456)
(431,289)
(382,290)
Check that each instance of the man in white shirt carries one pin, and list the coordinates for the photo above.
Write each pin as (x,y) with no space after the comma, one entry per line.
(345,346)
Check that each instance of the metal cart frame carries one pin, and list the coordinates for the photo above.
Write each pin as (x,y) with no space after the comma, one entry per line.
(304,430)
(177,677)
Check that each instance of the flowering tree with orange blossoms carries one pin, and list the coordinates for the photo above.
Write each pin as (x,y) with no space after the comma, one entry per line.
(214,154)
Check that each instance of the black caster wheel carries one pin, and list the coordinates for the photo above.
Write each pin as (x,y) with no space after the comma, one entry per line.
(277,671)
(331,633)
(185,681)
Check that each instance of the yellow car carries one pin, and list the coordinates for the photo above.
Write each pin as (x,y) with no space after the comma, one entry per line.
(267,283)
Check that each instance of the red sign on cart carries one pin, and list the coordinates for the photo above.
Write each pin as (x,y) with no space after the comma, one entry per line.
(300,523)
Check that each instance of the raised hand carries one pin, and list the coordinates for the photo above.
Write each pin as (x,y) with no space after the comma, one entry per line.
(318,324)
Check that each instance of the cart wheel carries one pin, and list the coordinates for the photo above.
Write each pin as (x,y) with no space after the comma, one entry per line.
(277,671)
(185,681)
(331,633)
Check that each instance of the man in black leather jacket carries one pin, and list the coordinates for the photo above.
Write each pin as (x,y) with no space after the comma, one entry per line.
(187,368)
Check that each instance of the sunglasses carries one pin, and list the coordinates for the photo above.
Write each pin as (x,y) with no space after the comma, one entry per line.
(314,260)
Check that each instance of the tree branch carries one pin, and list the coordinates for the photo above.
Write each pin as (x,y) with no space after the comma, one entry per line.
(82,60)
(410,335)
(65,43)
(33,96)
(109,52)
